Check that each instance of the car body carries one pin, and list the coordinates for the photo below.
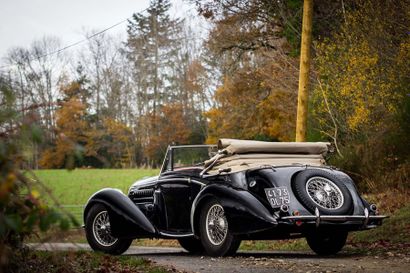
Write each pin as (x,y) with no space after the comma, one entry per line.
(210,198)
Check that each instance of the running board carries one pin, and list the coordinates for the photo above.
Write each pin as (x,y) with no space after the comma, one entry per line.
(175,235)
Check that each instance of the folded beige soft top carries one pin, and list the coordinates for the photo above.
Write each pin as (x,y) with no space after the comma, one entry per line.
(236,146)
(238,155)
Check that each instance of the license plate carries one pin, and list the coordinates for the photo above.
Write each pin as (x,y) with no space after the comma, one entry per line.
(277,196)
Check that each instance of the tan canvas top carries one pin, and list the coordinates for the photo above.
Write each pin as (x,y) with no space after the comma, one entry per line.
(238,155)
(236,146)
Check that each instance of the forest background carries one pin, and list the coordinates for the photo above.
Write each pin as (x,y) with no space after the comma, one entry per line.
(119,103)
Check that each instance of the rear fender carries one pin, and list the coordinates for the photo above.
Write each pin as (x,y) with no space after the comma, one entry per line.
(245,213)
(126,218)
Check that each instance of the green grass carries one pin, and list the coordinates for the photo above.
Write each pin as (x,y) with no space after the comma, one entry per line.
(75,187)
(395,229)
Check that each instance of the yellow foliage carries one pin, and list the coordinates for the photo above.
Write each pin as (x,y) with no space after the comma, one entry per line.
(361,100)
(6,185)
(47,159)
(359,75)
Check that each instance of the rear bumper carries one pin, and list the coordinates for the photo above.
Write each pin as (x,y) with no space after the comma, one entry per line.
(366,220)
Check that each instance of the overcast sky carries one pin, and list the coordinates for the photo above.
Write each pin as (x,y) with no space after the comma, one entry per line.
(22,21)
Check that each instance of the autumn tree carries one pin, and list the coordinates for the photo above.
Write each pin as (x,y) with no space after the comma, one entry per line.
(110,143)
(251,105)
(71,128)
(167,73)
(258,70)
(173,128)
(195,97)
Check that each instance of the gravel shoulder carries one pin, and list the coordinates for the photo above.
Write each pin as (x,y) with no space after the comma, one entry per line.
(256,261)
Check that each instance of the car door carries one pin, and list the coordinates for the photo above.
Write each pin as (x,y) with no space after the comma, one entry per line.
(176,193)
(179,183)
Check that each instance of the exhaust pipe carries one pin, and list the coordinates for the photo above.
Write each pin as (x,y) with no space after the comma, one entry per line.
(284,210)
(373,208)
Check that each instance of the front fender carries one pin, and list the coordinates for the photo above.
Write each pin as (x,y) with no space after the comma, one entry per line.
(126,218)
(245,213)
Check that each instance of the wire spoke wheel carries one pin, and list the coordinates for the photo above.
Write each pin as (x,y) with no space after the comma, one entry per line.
(324,193)
(216,225)
(102,229)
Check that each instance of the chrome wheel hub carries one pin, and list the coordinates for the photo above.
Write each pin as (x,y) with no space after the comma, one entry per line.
(324,193)
(216,225)
(102,229)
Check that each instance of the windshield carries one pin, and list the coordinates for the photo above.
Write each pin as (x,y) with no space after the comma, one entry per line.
(179,157)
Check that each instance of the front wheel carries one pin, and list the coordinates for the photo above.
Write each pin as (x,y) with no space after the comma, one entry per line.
(98,232)
(216,238)
(326,243)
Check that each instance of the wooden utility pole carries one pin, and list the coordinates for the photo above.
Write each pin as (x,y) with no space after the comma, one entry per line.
(301,120)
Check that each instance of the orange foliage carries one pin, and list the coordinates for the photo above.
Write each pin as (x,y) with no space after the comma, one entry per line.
(71,128)
(122,143)
(250,105)
(169,126)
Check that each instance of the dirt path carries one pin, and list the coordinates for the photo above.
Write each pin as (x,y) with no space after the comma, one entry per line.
(256,261)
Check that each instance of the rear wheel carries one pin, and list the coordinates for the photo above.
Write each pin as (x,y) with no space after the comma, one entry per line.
(326,243)
(98,232)
(216,238)
(192,245)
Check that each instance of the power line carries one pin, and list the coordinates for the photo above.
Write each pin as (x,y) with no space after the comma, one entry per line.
(78,42)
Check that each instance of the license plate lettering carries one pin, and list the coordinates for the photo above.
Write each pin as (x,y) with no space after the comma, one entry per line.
(277,196)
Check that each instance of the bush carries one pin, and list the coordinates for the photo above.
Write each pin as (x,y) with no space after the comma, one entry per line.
(361,101)
(22,210)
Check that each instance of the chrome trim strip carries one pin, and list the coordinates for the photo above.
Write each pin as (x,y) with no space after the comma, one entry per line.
(193,208)
(165,180)
(145,186)
(194,146)
(163,161)
(176,235)
(188,180)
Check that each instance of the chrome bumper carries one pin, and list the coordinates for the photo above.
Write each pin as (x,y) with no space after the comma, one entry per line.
(318,219)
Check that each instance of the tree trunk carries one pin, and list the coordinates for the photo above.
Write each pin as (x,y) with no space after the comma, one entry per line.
(301,121)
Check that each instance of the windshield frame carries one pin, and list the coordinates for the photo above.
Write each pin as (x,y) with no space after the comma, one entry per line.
(168,163)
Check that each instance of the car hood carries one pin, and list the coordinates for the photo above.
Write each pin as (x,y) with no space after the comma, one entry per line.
(146,181)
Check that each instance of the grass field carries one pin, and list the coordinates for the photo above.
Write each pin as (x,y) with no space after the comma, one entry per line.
(73,188)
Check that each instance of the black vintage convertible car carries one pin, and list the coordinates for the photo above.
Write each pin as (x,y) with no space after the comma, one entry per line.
(211,197)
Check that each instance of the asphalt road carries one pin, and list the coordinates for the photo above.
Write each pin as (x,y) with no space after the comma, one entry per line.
(257,261)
